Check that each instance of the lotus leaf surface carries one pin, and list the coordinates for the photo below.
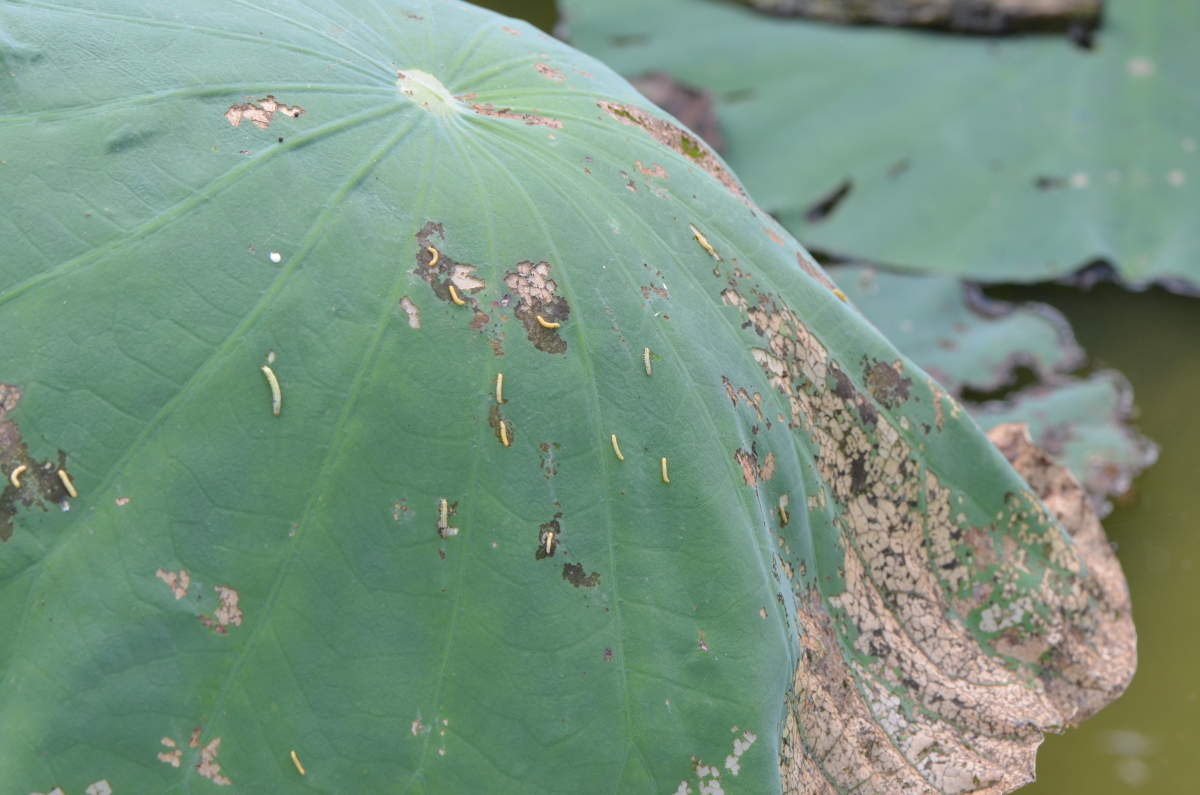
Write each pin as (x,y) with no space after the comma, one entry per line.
(275,523)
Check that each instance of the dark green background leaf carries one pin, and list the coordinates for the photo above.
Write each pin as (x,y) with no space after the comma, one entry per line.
(1014,159)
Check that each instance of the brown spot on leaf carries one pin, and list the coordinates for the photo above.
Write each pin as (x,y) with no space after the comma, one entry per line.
(682,142)
(573,573)
(658,171)
(225,615)
(208,766)
(548,72)
(887,384)
(549,465)
(172,757)
(531,119)
(768,468)
(261,114)
(813,270)
(748,461)
(537,296)
(659,291)
(178,582)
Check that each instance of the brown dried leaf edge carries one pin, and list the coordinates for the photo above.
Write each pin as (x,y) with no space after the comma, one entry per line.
(947,649)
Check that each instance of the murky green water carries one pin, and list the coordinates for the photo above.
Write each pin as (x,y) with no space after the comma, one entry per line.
(1148,740)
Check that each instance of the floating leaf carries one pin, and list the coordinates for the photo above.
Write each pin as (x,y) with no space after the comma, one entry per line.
(1085,424)
(969,16)
(957,334)
(1016,159)
(418,576)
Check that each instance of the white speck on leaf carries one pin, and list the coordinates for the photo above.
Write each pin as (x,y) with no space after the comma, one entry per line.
(1141,67)
(410,309)
(276,257)
(1176,179)
(99,788)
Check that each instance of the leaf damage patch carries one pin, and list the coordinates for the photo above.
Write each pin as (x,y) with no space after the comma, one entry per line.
(37,483)
(574,574)
(549,538)
(658,172)
(537,297)
(887,382)
(227,614)
(546,459)
(891,692)
(501,426)
(667,134)
(261,114)
(748,461)
(452,282)
(208,766)
(442,272)
(178,582)
(171,757)
(549,72)
(740,746)
(530,119)
(411,310)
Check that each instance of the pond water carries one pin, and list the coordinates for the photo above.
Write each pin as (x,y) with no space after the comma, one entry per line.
(1149,739)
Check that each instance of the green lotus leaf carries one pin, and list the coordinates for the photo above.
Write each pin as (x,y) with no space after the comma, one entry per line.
(968,341)
(393,401)
(1013,159)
